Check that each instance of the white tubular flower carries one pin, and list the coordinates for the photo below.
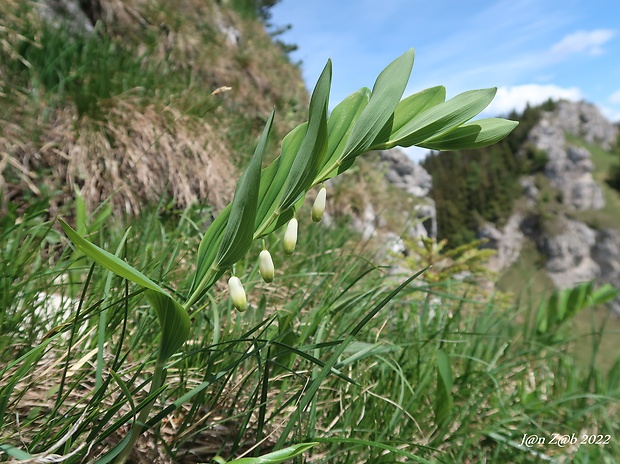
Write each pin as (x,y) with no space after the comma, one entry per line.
(265,266)
(237,293)
(318,208)
(290,237)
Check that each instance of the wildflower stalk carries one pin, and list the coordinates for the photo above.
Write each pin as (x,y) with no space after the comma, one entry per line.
(267,199)
(156,383)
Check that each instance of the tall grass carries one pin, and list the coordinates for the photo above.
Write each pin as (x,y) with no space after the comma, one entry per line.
(241,381)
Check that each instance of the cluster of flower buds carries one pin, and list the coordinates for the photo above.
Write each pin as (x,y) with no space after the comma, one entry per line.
(265,263)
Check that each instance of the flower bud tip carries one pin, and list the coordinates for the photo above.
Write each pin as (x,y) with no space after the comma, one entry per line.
(265,266)
(290,237)
(318,208)
(237,293)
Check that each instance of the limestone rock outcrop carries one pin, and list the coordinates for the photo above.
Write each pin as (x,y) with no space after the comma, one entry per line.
(507,241)
(569,167)
(569,254)
(404,173)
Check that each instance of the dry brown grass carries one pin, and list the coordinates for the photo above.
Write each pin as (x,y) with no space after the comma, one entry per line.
(139,151)
(211,432)
(135,155)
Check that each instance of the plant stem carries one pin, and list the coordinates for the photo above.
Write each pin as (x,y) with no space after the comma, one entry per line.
(138,427)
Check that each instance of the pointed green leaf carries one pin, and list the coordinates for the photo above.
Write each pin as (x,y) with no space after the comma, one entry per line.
(17,453)
(604,294)
(386,93)
(277,457)
(576,300)
(339,125)
(239,231)
(109,261)
(173,319)
(442,117)
(208,247)
(475,134)
(443,401)
(314,146)
(80,211)
(417,103)
(564,297)
(279,169)
(174,322)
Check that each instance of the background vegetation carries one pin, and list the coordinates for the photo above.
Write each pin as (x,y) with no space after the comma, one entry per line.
(445,371)
(479,185)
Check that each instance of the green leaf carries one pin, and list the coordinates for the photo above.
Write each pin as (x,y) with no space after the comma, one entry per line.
(109,261)
(80,211)
(604,294)
(542,317)
(277,457)
(443,403)
(339,125)
(239,231)
(16,453)
(441,118)
(475,134)
(173,319)
(207,251)
(314,146)
(277,173)
(417,103)
(174,322)
(386,93)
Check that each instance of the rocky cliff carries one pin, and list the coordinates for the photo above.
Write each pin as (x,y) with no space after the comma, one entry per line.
(573,250)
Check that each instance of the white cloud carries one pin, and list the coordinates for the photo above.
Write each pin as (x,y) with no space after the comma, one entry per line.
(612,114)
(589,42)
(615,98)
(518,96)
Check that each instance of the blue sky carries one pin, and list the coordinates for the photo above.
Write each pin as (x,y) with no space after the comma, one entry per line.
(529,49)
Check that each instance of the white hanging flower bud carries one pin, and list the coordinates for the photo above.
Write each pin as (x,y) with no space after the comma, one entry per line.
(237,293)
(265,266)
(318,208)
(290,237)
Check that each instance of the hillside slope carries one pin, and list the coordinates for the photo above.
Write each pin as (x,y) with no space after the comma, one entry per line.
(137,101)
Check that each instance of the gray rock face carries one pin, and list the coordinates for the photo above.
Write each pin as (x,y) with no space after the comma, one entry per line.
(569,167)
(606,253)
(508,242)
(585,120)
(366,222)
(529,189)
(404,173)
(72,13)
(569,254)
(226,27)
